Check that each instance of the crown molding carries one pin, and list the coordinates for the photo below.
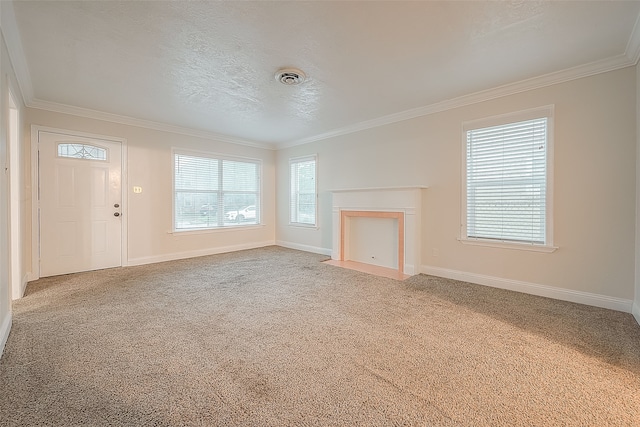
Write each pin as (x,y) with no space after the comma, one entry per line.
(147,124)
(597,67)
(13,41)
(609,64)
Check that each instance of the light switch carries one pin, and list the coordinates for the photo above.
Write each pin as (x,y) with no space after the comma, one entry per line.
(137,190)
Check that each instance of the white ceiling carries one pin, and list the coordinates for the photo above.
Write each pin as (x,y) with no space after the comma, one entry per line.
(209,66)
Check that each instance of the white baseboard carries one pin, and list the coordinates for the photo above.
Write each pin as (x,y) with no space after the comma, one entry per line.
(193,254)
(587,298)
(306,248)
(5,328)
(636,311)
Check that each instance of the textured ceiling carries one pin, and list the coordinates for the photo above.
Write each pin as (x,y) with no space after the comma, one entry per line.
(209,66)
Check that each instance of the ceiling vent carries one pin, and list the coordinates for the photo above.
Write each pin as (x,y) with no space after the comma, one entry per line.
(290,76)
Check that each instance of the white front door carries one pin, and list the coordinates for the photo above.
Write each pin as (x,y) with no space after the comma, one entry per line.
(80,203)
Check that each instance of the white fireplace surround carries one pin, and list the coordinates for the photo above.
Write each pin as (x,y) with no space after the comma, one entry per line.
(404,200)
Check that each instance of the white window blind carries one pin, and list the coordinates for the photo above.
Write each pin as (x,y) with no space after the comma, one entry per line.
(302,199)
(212,192)
(506,192)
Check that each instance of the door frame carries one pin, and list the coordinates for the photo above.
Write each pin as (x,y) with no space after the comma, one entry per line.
(35,187)
(17,276)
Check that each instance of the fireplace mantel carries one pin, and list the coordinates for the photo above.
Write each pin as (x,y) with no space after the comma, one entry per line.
(404,200)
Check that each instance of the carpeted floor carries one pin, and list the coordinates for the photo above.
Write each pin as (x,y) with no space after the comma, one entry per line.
(273,337)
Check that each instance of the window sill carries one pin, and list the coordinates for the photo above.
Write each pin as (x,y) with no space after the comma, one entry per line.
(301,225)
(509,245)
(215,230)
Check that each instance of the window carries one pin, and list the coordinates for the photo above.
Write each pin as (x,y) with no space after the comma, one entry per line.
(303,194)
(507,192)
(81,151)
(214,191)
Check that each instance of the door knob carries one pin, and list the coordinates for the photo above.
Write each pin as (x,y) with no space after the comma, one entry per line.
(116,214)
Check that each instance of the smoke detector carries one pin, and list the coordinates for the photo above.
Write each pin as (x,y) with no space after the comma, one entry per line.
(290,76)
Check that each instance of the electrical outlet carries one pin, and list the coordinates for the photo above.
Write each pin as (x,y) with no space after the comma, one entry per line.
(436,252)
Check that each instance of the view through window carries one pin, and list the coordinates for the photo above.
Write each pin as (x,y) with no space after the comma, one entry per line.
(303,194)
(213,192)
(506,182)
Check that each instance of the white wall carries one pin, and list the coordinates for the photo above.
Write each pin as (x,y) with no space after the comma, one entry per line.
(5,291)
(149,214)
(594,190)
(20,199)
(8,80)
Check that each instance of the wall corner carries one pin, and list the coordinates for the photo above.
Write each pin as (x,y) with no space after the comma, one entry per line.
(5,328)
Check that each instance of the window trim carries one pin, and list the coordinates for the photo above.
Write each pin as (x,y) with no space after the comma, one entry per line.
(217,156)
(503,119)
(301,159)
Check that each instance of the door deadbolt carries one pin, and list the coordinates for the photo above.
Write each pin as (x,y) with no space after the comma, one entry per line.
(116,205)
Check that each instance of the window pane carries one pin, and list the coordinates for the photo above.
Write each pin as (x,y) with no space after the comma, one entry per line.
(196,173)
(506,182)
(240,208)
(306,177)
(212,192)
(81,151)
(239,176)
(196,210)
(303,192)
(306,209)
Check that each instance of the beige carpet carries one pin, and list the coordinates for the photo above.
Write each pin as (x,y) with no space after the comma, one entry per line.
(273,337)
